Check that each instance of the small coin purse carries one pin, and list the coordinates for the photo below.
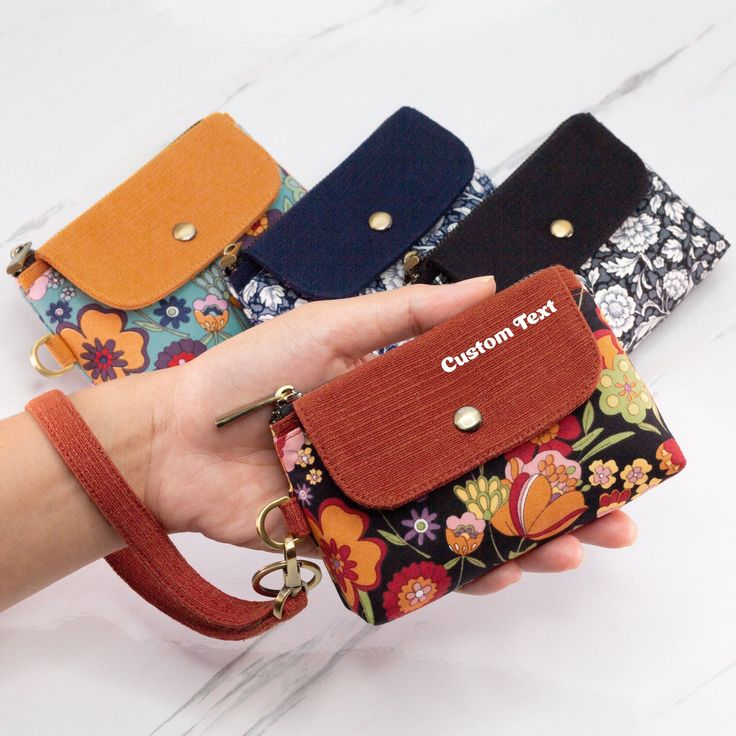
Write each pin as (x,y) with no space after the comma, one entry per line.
(502,428)
(371,220)
(587,201)
(133,284)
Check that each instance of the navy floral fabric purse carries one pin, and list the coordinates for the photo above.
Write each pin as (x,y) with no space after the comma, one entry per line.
(368,225)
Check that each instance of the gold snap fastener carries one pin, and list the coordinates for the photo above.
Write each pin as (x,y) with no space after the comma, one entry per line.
(184,231)
(380,221)
(561,228)
(467,419)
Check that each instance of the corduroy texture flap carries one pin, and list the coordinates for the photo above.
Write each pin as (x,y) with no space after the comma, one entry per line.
(410,167)
(385,431)
(581,173)
(122,251)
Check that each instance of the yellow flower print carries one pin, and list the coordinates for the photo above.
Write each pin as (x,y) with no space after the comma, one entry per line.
(483,496)
(636,474)
(603,474)
(644,487)
(622,391)
(314,476)
(304,457)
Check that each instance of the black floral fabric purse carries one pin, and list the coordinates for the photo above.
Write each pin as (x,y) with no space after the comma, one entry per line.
(502,428)
(587,201)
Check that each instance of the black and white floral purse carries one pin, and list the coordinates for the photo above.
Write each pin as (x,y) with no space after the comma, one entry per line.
(586,200)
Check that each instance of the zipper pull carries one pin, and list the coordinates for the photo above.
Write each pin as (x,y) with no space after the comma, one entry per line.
(18,257)
(283,395)
(229,257)
(411,261)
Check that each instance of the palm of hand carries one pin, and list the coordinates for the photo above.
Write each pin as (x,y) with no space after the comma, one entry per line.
(216,482)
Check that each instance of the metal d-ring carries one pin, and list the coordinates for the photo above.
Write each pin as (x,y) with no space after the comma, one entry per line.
(39,366)
(261,523)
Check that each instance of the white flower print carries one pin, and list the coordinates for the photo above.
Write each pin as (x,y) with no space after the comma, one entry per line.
(672,250)
(264,296)
(637,233)
(674,210)
(272,295)
(618,308)
(699,241)
(393,276)
(682,249)
(676,283)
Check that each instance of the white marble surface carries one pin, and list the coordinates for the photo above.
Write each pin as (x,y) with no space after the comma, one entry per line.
(636,642)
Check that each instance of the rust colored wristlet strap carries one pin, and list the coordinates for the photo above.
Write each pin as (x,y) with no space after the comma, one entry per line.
(150,564)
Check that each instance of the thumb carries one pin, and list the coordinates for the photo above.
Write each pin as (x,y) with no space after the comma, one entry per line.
(352,328)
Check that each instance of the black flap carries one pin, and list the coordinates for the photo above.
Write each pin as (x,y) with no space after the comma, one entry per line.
(410,167)
(582,173)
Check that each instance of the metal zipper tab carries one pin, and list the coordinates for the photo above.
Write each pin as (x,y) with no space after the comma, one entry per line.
(280,397)
(229,257)
(18,257)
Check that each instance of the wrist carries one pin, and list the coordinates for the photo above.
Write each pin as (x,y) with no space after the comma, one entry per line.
(124,415)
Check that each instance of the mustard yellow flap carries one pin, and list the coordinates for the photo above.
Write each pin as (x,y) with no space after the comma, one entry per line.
(123,251)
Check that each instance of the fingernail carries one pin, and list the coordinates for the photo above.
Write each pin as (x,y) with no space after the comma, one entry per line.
(484,279)
(634,534)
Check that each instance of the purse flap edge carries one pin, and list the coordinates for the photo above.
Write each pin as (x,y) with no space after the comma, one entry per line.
(400,442)
(122,251)
(582,172)
(410,167)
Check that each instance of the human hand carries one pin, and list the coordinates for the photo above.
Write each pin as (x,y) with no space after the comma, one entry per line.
(215,482)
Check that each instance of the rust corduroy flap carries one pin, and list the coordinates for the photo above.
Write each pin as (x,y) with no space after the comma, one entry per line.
(122,251)
(385,431)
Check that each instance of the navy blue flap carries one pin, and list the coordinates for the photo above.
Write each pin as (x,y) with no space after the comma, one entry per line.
(323,248)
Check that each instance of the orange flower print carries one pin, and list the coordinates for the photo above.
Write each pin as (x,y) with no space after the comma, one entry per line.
(464,533)
(211,313)
(258,227)
(562,473)
(603,474)
(613,500)
(670,457)
(414,587)
(353,561)
(536,511)
(608,345)
(636,474)
(104,347)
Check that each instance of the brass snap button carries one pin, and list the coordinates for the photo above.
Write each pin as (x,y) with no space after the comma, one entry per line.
(380,221)
(467,419)
(561,228)
(184,231)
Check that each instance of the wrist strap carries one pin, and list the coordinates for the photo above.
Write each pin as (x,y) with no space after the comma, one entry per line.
(150,564)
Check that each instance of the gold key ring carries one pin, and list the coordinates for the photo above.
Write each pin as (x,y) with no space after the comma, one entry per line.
(313,582)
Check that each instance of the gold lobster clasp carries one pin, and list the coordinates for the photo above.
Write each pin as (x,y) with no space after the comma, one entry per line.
(290,566)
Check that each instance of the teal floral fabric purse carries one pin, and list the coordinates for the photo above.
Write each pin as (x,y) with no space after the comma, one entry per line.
(121,293)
